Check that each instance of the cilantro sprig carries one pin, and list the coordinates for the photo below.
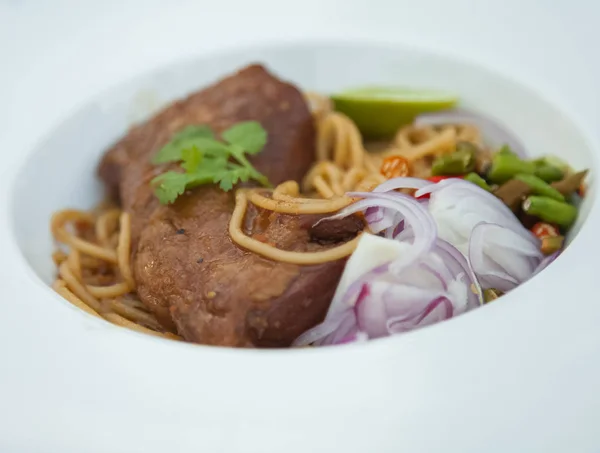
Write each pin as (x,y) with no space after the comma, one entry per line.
(206,160)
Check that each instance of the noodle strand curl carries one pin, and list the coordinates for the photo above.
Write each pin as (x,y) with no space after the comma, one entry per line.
(96,274)
(94,268)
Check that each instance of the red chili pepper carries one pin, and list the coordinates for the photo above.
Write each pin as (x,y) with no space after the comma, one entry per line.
(544,230)
(582,189)
(394,167)
(437,179)
(441,178)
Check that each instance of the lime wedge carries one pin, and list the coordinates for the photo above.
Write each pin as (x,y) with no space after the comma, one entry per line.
(380,111)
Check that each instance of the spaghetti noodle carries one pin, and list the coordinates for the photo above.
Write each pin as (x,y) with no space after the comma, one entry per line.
(343,165)
(95,273)
(273,253)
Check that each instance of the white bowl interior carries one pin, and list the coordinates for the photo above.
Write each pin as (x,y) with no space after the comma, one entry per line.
(61,171)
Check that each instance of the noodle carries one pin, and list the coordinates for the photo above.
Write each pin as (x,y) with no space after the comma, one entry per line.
(298,207)
(343,165)
(105,224)
(106,292)
(105,256)
(62,235)
(96,276)
(119,320)
(303,258)
(124,250)
(74,263)
(78,289)
(134,313)
(60,286)
(443,143)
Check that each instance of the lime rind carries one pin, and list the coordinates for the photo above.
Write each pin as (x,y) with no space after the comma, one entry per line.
(380,111)
(397,94)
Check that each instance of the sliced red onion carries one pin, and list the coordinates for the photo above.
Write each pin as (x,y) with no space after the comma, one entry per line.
(495,133)
(438,273)
(408,211)
(402,183)
(457,264)
(546,261)
(405,207)
(363,205)
(459,188)
(424,277)
(392,303)
(501,258)
(407,293)
(437,310)
(501,255)
(340,327)
(379,219)
(424,202)
(373,215)
(458,206)
(399,228)
(355,337)
(412,212)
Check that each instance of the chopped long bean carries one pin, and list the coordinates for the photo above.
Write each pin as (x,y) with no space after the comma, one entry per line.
(539,187)
(550,210)
(505,149)
(458,163)
(505,166)
(548,173)
(478,180)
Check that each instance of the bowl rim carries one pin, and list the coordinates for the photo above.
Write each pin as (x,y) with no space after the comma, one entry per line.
(21,165)
(467,372)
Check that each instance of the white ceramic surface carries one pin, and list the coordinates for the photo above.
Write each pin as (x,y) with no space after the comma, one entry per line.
(516,376)
(61,172)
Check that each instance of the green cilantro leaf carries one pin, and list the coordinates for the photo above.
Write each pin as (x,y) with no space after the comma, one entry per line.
(191,159)
(186,138)
(231,177)
(212,147)
(238,154)
(169,186)
(206,160)
(248,135)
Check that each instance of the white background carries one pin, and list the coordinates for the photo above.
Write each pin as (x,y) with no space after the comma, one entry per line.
(56,54)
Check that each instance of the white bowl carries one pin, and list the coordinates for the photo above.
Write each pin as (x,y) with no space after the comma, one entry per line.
(475,379)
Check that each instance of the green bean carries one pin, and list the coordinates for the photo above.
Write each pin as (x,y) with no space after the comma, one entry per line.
(505,149)
(539,187)
(478,180)
(505,166)
(556,162)
(548,173)
(550,210)
(458,163)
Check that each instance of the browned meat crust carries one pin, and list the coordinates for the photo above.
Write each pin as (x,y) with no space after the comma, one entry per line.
(187,269)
